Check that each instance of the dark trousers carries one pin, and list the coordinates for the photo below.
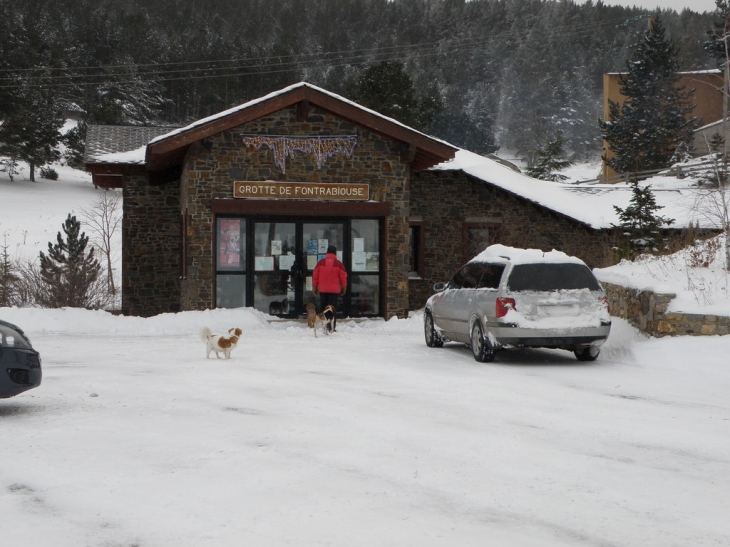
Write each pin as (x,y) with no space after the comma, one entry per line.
(327,299)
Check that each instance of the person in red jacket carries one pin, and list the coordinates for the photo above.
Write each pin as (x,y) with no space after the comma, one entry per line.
(329,280)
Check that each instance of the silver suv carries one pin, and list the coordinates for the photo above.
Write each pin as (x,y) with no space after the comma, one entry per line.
(516,298)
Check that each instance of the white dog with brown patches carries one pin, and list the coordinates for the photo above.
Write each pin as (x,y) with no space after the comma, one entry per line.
(324,320)
(220,343)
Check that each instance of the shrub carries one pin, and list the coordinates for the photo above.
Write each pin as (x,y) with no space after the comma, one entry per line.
(49,173)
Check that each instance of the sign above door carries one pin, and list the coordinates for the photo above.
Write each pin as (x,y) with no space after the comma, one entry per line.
(301,190)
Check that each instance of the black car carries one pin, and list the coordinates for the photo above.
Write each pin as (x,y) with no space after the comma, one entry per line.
(20,364)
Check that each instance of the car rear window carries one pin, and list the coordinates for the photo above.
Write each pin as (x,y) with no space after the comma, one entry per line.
(551,277)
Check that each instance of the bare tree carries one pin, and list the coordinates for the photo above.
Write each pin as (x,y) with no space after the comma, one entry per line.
(714,205)
(103,218)
(712,200)
(32,289)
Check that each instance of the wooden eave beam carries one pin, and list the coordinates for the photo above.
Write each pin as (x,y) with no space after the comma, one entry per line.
(116,169)
(434,149)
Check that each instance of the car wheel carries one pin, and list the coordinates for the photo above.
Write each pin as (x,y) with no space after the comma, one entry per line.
(481,347)
(587,354)
(433,340)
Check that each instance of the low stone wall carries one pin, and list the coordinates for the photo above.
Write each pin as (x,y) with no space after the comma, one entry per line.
(647,311)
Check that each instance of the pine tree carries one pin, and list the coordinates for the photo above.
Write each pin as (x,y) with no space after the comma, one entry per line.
(8,278)
(550,160)
(68,271)
(646,129)
(640,224)
(388,89)
(716,44)
(30,132)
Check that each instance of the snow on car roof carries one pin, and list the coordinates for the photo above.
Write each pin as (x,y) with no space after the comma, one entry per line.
(524,256)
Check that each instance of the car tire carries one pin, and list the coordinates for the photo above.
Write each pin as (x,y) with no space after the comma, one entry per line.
(481,347)
(587,354)
(433,340)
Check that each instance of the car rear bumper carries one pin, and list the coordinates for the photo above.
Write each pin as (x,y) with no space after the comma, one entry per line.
(571,339)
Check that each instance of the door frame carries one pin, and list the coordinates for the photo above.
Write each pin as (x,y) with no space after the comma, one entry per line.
(300,212)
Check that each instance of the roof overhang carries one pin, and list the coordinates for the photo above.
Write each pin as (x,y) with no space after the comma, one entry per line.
(167,152)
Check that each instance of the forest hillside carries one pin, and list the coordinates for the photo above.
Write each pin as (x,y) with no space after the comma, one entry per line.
(483,74)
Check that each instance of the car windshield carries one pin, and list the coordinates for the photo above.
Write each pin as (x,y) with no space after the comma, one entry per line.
(551,277)
(10,338)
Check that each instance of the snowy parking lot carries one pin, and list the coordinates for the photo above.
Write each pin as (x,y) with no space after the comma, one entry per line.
(363,438)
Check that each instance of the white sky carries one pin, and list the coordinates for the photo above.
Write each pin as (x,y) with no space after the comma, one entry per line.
(678,5)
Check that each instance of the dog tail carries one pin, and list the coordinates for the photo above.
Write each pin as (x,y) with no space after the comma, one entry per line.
(205,333)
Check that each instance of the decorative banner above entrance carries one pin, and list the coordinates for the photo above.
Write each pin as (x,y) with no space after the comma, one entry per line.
(320,147)
(301,190)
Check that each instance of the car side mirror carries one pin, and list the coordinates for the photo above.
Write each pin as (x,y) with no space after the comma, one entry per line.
(438,287)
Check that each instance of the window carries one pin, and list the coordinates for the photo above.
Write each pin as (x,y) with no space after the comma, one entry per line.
(491,276)
(415,250)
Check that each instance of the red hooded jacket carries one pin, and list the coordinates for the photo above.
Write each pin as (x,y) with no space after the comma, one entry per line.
(329,275)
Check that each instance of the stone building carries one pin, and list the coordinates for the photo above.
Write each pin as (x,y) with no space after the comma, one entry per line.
(235,209)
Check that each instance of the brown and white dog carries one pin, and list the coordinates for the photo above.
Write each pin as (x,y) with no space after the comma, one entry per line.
(324,320)
(311,315)
(220,343)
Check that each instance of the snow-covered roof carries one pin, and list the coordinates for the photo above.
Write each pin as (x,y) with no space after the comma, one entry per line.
(524,256)
(590,204)
(284,91)
(131,157)
(114,143)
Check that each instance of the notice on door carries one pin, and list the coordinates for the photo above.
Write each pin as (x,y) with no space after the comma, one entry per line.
(301,190)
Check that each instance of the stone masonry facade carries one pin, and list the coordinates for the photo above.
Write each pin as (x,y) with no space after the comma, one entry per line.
(443,201)
(213,164)
(647,311)
(150,248)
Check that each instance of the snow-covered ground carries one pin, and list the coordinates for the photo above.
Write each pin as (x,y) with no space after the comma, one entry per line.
(366,437)
(32,213)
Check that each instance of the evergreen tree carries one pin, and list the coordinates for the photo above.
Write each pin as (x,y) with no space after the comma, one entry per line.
(30,133)
(388,89)
(646,129)
(8,278)
(68,271)
(640,224)
(550,160)
(716,43)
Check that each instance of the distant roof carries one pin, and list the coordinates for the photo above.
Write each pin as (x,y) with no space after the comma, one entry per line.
(590,204)
(687,72)
(105,143)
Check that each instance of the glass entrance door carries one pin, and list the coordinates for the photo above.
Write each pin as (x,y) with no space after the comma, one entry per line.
(275,251)
(268,263)
(315,239)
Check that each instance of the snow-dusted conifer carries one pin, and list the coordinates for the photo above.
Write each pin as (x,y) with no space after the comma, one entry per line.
(640,224)
(68,271)
(550,160)
(647,128)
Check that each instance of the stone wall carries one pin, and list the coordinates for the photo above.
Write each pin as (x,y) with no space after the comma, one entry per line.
(150,248)
(445,200)
(215,162)
(647,311)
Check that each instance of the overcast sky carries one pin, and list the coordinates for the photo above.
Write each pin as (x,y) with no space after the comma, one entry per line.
(677,5)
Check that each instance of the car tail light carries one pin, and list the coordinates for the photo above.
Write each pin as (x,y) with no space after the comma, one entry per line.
(504,305)
(604,300)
